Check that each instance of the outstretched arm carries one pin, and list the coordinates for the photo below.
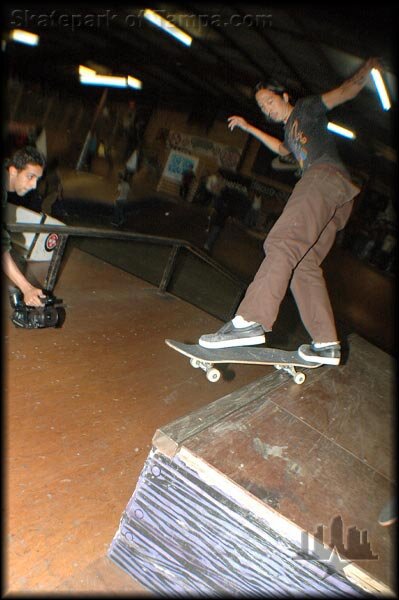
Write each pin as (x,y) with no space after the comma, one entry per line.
(274,144)
(350,88)
(32,295)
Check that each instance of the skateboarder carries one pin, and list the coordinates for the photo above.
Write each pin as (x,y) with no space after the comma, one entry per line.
(319,206)
(23,171)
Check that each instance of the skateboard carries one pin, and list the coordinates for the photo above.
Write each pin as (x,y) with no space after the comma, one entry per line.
(205,359)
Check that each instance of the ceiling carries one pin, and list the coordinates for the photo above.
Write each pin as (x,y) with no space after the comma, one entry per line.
(310,50)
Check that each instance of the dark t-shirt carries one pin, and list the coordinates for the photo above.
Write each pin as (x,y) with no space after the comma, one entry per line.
(5,236)
(307,136)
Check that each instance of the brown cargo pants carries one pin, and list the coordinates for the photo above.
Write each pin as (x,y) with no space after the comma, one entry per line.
(319,206)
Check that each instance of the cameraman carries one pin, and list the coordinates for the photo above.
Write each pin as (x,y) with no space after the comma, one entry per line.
(21,175)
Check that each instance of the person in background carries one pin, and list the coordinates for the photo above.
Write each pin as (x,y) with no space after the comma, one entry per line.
(187,179)
(119,216)
(91,151)
(252,217)
(22,173)
(220,212)
(131,166)
(104,150)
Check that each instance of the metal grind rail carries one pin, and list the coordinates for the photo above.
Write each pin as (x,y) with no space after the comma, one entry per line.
(64,231)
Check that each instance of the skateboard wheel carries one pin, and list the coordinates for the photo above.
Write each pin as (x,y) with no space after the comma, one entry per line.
(194,362)
(213,375)
(299,378)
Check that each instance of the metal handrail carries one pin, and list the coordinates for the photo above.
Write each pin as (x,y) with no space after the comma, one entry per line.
(90,232)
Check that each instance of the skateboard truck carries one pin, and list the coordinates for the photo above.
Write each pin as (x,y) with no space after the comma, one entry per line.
(299,378)
(212,374)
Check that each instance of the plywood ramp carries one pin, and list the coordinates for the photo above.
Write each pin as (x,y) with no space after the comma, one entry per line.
(82,404)
(250,493)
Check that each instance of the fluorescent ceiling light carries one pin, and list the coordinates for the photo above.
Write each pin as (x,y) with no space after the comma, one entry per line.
(381,89)
(90,77)
(341,130)
(107,80)
(86,71)
(134,83)
(167,26)
(24,37)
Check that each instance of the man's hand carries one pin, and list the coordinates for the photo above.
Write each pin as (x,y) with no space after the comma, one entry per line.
(33,296)
(373,63)
(350,88)
(274,144)
(235,121)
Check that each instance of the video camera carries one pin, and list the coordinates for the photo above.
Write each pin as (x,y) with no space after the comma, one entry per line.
(33,317)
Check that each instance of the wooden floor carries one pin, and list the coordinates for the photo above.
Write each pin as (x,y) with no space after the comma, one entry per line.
(82,405)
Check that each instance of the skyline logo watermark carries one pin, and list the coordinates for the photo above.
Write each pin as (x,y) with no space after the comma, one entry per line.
(334,553)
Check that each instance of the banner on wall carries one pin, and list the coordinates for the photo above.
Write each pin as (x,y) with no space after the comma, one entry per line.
(225,156)
(177,163)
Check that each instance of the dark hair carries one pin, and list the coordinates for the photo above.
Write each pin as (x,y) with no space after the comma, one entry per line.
(272,85)
(29,155)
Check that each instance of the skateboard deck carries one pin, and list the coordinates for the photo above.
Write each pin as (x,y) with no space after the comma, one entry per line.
(206,358)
